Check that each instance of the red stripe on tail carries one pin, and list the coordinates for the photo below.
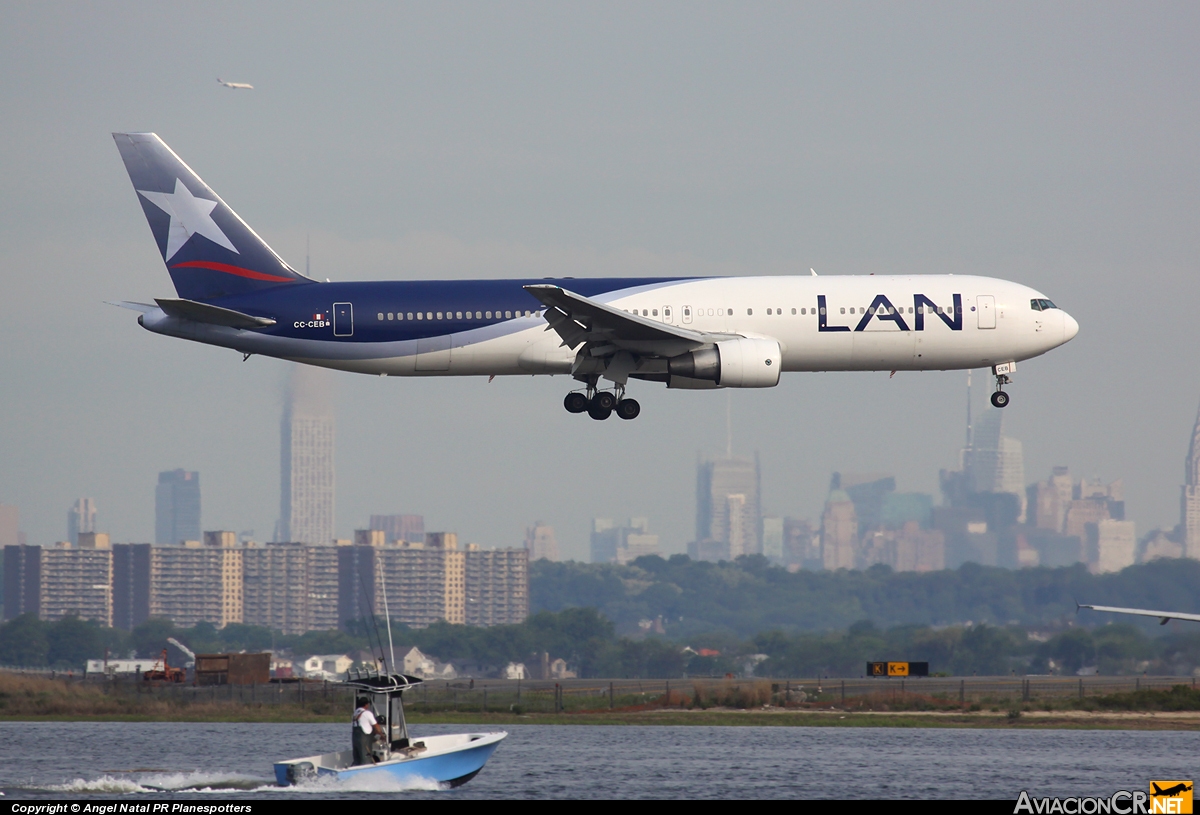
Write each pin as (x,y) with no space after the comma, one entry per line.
(234,270)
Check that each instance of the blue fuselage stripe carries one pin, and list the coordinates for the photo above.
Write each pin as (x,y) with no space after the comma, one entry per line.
(310,311)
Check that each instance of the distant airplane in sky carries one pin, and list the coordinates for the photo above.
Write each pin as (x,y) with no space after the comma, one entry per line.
(691,332)
(237,86)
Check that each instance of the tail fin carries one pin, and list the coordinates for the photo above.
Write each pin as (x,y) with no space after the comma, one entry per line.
(210,252)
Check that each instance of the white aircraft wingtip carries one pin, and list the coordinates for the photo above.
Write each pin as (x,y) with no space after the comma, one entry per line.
(814,272)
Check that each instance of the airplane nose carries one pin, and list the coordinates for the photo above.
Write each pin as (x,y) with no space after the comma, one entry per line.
(1070,327)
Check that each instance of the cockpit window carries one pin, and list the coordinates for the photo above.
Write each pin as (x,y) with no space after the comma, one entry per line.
(1041,305)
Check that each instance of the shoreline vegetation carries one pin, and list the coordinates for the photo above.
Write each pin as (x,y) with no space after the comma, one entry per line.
(754,703)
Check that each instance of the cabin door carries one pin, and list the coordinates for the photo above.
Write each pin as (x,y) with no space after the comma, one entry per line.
(986,305)
(343,319)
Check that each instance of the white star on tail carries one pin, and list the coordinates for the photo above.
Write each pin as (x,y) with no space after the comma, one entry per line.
(189,216)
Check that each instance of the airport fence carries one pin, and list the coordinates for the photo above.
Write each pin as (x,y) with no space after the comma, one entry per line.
(596,695)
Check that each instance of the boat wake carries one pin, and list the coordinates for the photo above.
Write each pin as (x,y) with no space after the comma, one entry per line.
(216,782)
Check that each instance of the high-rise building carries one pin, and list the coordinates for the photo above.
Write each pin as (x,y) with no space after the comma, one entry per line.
(996,461)
(1190,510)
(497,586)
(292,587)
(66,580)
(540,542)
(10,530)
(306,460)
(81,518)
(187,584)
(622,544)
(177,507)
(728,506)
(1112,545)
(868,491)
(410,528)
(839,532)
(773,539)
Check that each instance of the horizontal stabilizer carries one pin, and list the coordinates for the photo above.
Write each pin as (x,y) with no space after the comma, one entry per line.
(213,315)
(145,308)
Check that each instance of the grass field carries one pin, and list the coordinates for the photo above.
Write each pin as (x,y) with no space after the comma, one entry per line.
(31,698)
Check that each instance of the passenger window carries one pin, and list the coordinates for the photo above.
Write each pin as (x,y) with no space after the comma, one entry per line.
(389,315)
(793,311)
(458,315)
(439,315)
(527,314)
(487,314)
(655,312)
(844,311)
(420,315)
(804,311)
(768,312)
(822,311)
(749,312)
(381,315)
(410,315)
(508,315)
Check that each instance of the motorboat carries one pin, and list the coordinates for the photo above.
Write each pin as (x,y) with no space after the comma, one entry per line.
(449,760)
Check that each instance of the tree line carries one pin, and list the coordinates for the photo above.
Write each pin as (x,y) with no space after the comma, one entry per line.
(751,595)
(755,616)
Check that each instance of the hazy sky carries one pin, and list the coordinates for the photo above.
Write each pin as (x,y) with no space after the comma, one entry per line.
(1052,144)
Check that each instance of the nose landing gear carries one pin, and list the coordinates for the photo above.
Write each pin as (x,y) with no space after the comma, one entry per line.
(1001,372)
(602,404)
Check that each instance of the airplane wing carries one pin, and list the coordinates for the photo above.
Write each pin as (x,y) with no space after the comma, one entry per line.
(579,320)
(214,315)
(1164,616)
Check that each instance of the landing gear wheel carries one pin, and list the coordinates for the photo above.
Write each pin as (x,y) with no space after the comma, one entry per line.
(575,402)
(597,412)
(999,399)
(605,401)
(628,408)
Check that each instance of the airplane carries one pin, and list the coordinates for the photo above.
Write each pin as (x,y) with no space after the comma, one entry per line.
(1169,792)
(1164,617)
(235,292)
(237,86)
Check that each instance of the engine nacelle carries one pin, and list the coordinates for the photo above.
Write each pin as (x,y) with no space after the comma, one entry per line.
(740,363)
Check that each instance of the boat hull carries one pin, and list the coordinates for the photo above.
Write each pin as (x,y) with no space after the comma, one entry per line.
(450,760)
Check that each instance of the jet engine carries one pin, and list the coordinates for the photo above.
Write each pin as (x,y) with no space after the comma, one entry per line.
(741,363)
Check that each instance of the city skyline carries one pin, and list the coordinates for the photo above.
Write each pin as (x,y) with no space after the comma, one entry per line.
(503,143)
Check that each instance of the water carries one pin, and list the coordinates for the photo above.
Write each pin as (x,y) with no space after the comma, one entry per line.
(126,761)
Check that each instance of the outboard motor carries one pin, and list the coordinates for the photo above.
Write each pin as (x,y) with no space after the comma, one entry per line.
(301,772)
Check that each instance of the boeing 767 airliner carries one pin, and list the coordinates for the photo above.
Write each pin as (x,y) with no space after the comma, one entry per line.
(234,291)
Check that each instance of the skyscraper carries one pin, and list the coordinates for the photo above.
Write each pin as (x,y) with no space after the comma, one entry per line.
(1191,497)
(540,542)
(177,507)
(10,530)
(727,504)
(410,528)
(995,462)
(81,518)
(306,460)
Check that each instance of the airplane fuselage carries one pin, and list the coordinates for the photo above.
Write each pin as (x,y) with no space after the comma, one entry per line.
(688,332)
(494,327)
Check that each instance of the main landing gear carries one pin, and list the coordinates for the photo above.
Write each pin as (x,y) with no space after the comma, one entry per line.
(1001,372)
(602,404)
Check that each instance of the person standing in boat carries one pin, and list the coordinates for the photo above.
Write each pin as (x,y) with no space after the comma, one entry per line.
(365,729)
